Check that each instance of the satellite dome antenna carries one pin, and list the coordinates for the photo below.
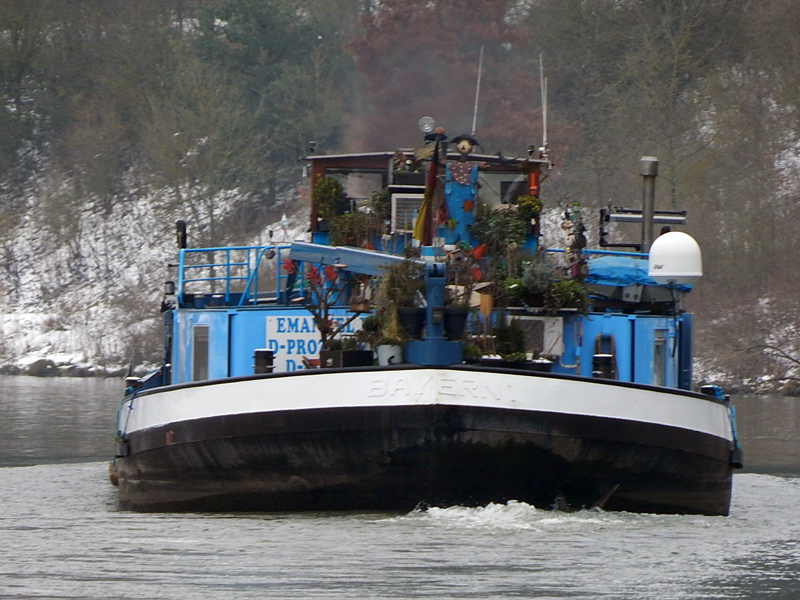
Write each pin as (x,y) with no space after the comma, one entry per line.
(675,259)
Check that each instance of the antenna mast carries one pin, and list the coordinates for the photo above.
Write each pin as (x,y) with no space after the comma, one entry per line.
(477,94)
(543,86)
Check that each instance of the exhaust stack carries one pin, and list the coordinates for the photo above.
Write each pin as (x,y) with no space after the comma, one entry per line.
(648,169)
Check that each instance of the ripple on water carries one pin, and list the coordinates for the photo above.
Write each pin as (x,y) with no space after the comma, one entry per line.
(61,536)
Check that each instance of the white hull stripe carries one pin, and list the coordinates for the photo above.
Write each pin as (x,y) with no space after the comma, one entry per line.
(422,387)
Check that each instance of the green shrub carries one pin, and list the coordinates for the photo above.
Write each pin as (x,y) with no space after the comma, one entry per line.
(400,283)
(353,229)
(511,288)
(509,340)
(566,293)
(537,277)
(499,230)
(381,204)
(530,207)
(328,196)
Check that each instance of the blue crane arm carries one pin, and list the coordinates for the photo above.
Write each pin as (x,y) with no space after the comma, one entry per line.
(353,260)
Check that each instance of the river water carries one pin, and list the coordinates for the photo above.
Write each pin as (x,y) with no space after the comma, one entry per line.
(61,535)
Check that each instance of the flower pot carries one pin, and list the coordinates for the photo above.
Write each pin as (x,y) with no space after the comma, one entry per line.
(389,354)
(541,365)
(532,228)
(455,321)
(359,304)
(412,320)
(533,299)
(345,358)
(408,178)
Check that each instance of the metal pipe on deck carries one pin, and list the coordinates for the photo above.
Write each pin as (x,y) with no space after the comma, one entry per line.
(648,169)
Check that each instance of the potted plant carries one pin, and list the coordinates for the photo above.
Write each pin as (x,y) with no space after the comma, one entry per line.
(389,346)
(455,321)
(462,273)
(472,353)
(402,284)
(528,210)
(566,293)
(325,289)
(510,342)
(536,280)
(369,333)
(344,352)
(354,229)
(382,332)
(512,290)
(381,204)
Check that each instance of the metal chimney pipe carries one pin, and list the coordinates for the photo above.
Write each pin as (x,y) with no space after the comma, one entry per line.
(648,169)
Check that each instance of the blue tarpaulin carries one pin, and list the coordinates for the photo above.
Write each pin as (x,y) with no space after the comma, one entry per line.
(621,271)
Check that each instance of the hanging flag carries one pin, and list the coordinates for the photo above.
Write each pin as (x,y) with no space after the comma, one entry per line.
(423,225)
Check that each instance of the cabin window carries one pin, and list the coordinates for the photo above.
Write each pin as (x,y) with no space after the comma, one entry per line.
(405,208)
(501,188)
(660,357)
(358,185)
(199,352)
(361,186)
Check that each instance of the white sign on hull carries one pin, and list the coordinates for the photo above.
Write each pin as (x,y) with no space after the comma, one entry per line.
(294,337)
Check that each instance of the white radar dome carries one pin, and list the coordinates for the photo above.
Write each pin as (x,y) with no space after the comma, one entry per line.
(675,258)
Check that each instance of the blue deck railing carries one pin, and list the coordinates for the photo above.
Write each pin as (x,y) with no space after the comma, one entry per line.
(237,273)
(234,275)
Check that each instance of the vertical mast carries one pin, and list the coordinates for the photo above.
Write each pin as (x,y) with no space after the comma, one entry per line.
(543,86)
(477,94)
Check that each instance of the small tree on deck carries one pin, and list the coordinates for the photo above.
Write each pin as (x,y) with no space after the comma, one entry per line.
(326,288)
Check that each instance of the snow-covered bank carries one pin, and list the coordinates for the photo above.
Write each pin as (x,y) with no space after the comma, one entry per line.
(81,283)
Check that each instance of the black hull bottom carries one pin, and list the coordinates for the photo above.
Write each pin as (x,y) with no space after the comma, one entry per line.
(395,458)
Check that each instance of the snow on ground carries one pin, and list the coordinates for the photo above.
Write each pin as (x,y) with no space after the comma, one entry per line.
(81,285)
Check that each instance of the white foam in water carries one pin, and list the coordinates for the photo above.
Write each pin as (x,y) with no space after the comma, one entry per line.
(512,515)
